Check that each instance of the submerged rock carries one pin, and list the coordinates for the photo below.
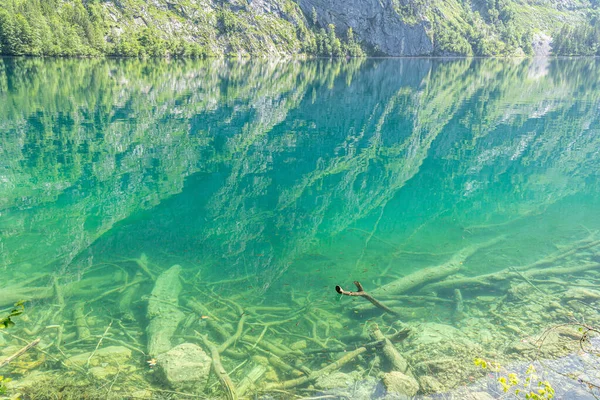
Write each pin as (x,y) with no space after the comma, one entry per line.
(107,356)
(430,385)
(441,351)
(397,382)
(334,380)
(104,373)
(184,367)
(583,294)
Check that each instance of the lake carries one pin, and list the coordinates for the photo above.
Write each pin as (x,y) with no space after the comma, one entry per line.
(161,219)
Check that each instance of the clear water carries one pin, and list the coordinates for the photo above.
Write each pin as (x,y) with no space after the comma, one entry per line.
(270,183)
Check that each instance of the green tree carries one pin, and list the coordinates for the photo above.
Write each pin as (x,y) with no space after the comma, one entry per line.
(8,33)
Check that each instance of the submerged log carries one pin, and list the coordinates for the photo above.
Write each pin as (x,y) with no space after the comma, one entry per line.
(426,275)
(19,353)
(505,275)
(226,382)
(248,382)
(391,354)
(316,374)
(126,299)
(163,311)
(9,296)
(83,332)
(85,288)
(437,272)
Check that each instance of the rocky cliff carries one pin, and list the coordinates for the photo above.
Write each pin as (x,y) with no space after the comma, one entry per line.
(376,23)
(338,28)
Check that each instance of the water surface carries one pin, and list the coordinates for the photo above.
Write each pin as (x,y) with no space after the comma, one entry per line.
(272,182)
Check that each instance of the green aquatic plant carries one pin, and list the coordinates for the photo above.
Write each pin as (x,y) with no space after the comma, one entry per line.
(3,387)
(7,322)
(532,388)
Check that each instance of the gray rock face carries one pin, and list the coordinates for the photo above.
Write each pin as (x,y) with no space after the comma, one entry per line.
(375,23)
(184,367)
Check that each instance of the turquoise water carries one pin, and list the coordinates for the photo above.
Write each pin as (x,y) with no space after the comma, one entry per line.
(270,183)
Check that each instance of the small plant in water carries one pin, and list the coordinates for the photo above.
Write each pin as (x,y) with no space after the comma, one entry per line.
(3,381)
(7,322)
(532,387)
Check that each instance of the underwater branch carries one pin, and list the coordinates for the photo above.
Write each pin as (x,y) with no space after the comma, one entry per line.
(361,292)
(20,352)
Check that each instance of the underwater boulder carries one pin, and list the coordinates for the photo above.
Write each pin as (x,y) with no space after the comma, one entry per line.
(429,384)
(334,380)
(107,356)
(184,367)
(582,294)
(399,383)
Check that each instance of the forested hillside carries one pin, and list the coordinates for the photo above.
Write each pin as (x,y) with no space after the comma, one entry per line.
(200,28)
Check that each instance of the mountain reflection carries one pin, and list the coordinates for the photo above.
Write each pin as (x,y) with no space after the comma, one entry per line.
(249,166)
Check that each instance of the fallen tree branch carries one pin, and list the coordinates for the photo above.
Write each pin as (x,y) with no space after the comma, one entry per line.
(219,370)
(317,374)
(431,274)
(20,352)
(236,335)
(505,274)
(361,292)
(390,352)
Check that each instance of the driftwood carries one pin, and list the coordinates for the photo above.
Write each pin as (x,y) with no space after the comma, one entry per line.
(85,287)
(278,349)
(58,293)
(254,375)
(163,311)
(391,354)
(199,309)
(83,331)
(20,353)
(142,263)
(438,272)
(524,271)
(561,254)
(317,374)
(505,274)
(220,372)
(9,296)
(127,296)
(361,292)
(236,335)
(459,305)
(426,275)
(287,368)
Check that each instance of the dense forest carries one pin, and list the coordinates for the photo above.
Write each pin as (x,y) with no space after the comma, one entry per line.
(194,28)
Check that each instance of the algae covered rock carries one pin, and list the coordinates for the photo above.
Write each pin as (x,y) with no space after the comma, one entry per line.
(184,367)
(430,385)
(583,294)
(442,352)
(335,380)
(111,355)
(399,383)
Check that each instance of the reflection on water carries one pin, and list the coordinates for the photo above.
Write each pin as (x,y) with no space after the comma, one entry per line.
(269,183)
